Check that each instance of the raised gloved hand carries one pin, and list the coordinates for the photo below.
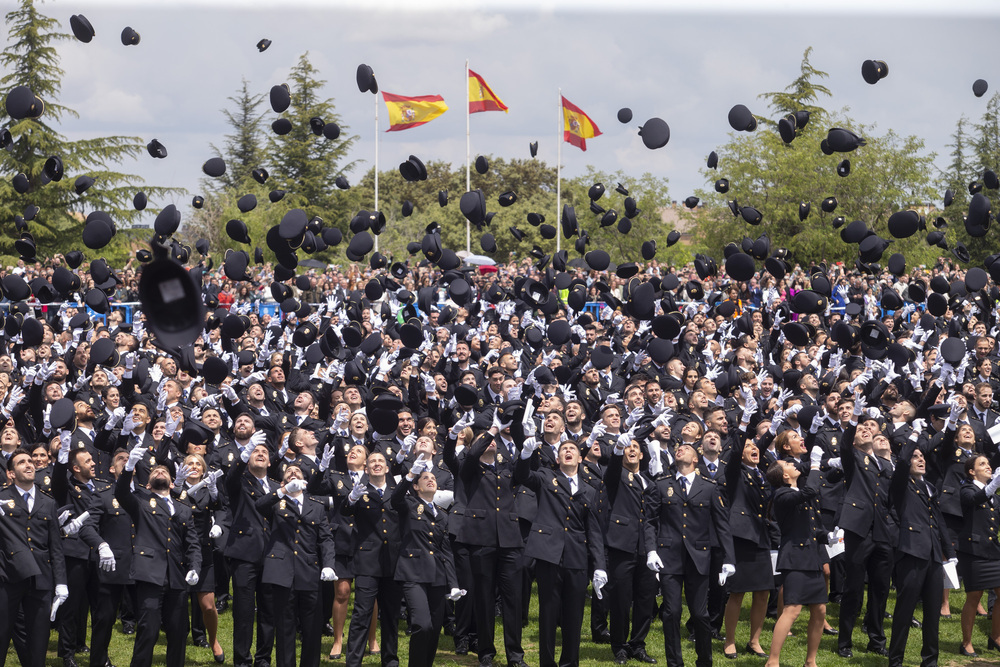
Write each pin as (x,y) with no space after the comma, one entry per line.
(815,456)
(134,456)
(528,448)
(598,431)
(463,422)
(418,467)
(191,578)
(653,561)
(183,472)
(61,595)
(326,458)
(599,581)
(107,557)
(994,483)
(357,491)
(327,574)
(727,571)
(859,406)
(295,486)
(65,440)
(528,422)
(623,441)
(817,422)
(501,422)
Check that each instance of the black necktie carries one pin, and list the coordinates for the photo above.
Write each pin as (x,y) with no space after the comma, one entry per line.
(380,492)
(711,469)
(684,485)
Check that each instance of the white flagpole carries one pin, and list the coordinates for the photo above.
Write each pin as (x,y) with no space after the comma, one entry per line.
(468,157)
(559,143)
(376,162)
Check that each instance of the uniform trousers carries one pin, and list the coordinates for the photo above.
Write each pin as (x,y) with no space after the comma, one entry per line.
(158,604)
(298,609)
(104,610)
(465,623)
(248,597)
(562,592)
(696,593)
(81,575)
(863,555)
(920,580)
(368,589)
(498,568)
(631,591)
(35,606)
(426,603)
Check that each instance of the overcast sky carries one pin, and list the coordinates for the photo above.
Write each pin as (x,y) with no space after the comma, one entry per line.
(682,61)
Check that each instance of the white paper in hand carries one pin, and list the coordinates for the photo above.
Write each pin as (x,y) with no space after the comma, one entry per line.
(837,548)
(950,575)
(774,563)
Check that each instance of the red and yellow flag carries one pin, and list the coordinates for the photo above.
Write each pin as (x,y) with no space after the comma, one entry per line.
(482,97)
(577,126)
(407,112)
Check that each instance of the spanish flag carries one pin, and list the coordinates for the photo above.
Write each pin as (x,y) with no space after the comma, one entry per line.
(407,112)
(577,126)
(482,97)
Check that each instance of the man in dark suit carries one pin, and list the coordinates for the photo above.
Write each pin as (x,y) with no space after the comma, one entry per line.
(246,483)
(632,585)
(868,531)
(74,484)
(298,556)
(166,560)
(376,553)
(490,528)
(32,560)
(682,512)
(561,556)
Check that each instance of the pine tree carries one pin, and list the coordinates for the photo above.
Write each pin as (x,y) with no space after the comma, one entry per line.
(303,163)
(31,59)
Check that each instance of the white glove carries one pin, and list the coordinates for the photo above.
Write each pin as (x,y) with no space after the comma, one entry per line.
(623,441)
(598,431)
(358,491)
(817,422)
(727,571)
(134,456)
(464,421)
(183,472)
(918,425)
(634,416)
(73,527)
(326,459)
(835,462)
(528,422)
(327,574)
(230,394)
(65,440)
(455,594)
(859,406)
(528,448)
(653,561)
(295,486)
(62,594)
(107,557)
(215,532)
(129,424)
(115,419)
(994,483)
(599,581)
(191,578)
(815,456)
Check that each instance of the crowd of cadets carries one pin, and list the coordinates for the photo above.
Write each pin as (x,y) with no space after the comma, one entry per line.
(434,474)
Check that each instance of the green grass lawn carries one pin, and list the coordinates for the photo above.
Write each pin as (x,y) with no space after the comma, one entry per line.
(593,654)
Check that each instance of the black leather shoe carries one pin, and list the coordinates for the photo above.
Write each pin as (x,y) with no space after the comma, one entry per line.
(69,662)
(328,630)
(221,658)
(462,647)
(749,649)
(718,636)
(730,656)
(202,643)
(641,655)
(877,650)
(83,649)
(967,654)
(992,646)
(486,662)
(128,628)
(602,638)
(621,658)
(830,631)
(518,663)
(915,623)
(845,653)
